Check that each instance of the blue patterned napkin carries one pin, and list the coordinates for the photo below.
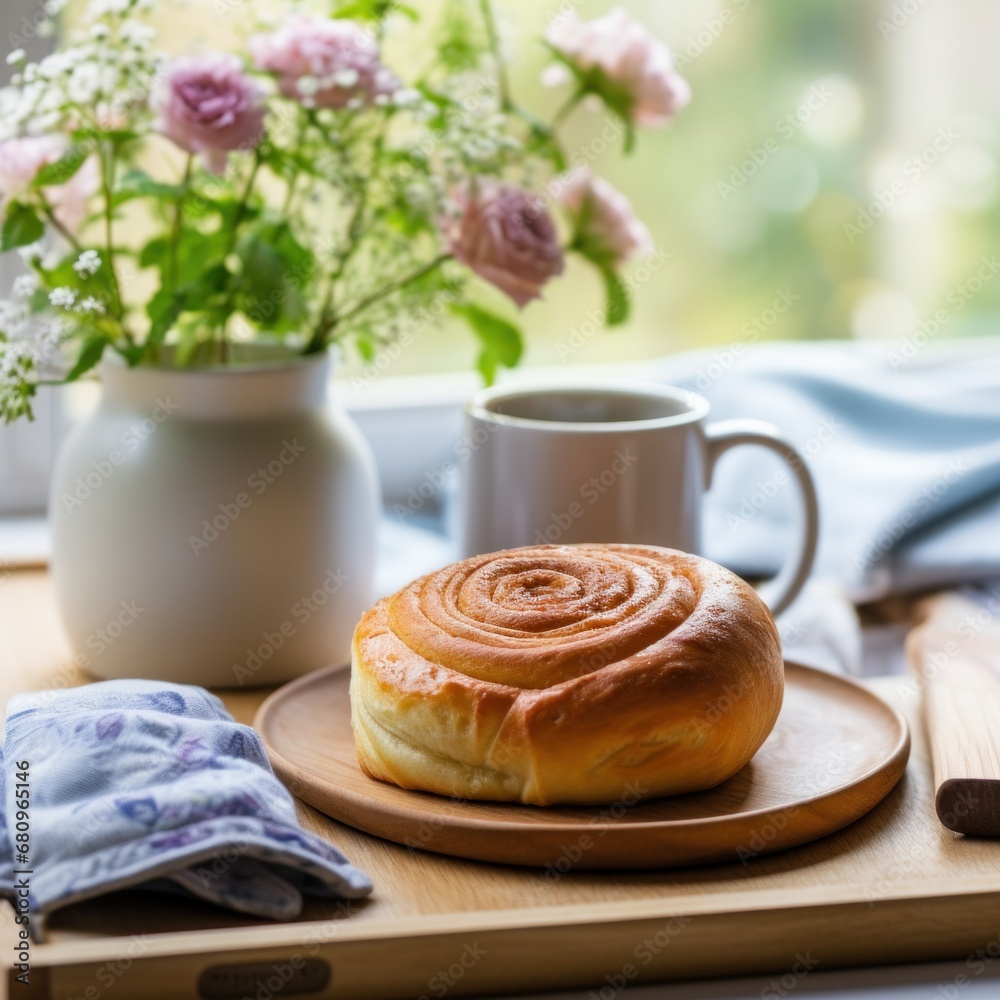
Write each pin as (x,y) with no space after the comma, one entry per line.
(135,783)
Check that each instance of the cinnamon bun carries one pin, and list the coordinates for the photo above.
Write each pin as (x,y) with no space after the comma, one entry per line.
(579,674)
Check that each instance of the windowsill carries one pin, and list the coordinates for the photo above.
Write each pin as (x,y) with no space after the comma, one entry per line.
(24,541)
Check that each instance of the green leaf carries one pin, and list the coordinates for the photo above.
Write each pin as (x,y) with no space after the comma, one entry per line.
(617,295)
(54,174)
(138,184)
(374,10)
(94,136)
(486,365)
(275,270)
(154,252)
(21,226)
(196,253)
(90,354)
(501,337)
(502,341)
(164,309)
(365,347)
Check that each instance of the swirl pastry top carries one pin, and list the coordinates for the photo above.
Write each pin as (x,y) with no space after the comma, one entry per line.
(566,674)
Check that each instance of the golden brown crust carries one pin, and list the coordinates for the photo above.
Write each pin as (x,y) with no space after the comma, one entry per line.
(566,674)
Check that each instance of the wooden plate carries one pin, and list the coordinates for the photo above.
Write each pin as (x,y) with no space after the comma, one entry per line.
(836,752)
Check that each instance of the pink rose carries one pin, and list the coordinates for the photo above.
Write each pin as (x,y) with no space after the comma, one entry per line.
(606,224)
(505,235)
(20,161)
(628,57)
(324,63)
(208,105)
(69,200)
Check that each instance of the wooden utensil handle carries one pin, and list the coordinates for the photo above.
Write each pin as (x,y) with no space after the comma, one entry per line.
(955,656)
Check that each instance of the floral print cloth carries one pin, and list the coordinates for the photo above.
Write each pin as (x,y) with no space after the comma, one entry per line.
(135,783)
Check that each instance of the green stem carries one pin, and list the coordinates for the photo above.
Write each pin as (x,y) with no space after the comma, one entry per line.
(178,220)
(238,217)
(241,206)
(506,103)
(326,314)
(59,227)
(328,323)
(107,185)
(568,106)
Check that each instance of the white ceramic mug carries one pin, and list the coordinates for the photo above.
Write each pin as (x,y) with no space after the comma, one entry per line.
(608,462)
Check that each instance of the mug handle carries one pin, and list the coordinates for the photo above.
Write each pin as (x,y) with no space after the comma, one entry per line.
(725,434)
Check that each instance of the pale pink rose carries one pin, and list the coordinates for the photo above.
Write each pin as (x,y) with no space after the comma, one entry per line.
(606,223)
(624,52)
(208,105)
(69,201)
(20,161)
(505,235)
(323,62)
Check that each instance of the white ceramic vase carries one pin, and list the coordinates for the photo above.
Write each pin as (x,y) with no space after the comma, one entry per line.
(214,526)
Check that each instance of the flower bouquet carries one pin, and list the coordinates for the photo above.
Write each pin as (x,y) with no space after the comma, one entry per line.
(302,192)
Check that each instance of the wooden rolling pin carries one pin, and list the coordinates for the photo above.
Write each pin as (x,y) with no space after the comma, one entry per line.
(954,654)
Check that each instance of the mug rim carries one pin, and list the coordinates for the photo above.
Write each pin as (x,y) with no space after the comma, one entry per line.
(696,411)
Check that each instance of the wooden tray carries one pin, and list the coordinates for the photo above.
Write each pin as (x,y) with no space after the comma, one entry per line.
(835,752)
(895,886)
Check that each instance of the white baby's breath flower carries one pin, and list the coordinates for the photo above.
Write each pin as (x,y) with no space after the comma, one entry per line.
(88,263)
(15,57)
(345,78)
(13,317)
(25,285)
(63,296)
(104,8)
(83,85)
(405,96)
(136,34)
(308,86)
(91,305)
(30,253)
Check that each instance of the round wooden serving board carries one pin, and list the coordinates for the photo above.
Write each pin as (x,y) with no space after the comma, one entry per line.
(836,752)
